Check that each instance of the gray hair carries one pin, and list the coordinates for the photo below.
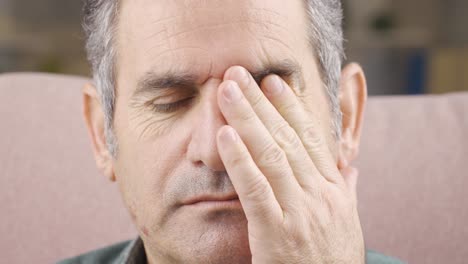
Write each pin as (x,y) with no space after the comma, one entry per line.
(325,35)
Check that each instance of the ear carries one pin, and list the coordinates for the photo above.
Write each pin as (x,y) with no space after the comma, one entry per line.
(94,118)
(353,98)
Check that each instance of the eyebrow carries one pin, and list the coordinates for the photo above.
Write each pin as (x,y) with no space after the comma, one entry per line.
(151,81)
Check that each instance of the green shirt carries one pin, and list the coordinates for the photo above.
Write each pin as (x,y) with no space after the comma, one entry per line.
(132,252)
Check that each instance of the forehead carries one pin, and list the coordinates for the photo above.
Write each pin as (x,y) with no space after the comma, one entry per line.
(205,37)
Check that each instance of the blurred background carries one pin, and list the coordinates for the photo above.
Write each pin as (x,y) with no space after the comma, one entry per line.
(405,46)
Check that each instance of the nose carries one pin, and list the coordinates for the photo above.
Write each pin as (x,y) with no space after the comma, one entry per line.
(208,119)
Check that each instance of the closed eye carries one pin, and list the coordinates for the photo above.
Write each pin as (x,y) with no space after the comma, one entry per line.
(172,107)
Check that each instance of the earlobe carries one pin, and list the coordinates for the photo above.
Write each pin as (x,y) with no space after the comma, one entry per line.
(353,97)
(94,119)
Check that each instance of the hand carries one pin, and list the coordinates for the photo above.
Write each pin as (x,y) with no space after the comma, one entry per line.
(300,207)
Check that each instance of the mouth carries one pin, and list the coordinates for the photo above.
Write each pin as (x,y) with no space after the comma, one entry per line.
(206,203)
(230,198)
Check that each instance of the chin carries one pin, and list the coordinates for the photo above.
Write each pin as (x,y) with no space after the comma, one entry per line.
(228,245)
(215,237)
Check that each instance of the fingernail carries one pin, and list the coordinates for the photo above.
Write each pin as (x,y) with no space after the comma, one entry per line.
(275,86)
(229,135)
(241,75)
(232,92)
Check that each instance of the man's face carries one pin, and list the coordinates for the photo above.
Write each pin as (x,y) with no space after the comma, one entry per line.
(172,56)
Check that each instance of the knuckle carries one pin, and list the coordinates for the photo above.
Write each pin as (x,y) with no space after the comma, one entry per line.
(311,137)
(245,115)
(239,160)
(257,100)
(258,188)
(287,108)
(286,136)
(271,155)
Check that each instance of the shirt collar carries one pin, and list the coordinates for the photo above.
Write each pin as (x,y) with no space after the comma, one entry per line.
(134,253)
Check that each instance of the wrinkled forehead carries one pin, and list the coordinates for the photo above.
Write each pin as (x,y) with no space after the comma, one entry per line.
(209,36)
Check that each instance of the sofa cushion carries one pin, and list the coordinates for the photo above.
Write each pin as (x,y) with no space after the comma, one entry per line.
(413,176)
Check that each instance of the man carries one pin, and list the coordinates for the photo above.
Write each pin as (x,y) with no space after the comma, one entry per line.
(229,127)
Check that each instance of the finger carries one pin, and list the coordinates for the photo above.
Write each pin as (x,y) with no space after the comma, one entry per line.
(350,176)
(266,153)
(289,106)
(255,193)
(302,166)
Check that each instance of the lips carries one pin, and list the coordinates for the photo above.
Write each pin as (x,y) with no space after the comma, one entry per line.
(211,198)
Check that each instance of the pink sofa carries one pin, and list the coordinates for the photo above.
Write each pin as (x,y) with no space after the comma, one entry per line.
(54,204)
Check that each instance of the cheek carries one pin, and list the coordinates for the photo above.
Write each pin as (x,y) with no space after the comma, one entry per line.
(144,166)
(143,172)
(144,169)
